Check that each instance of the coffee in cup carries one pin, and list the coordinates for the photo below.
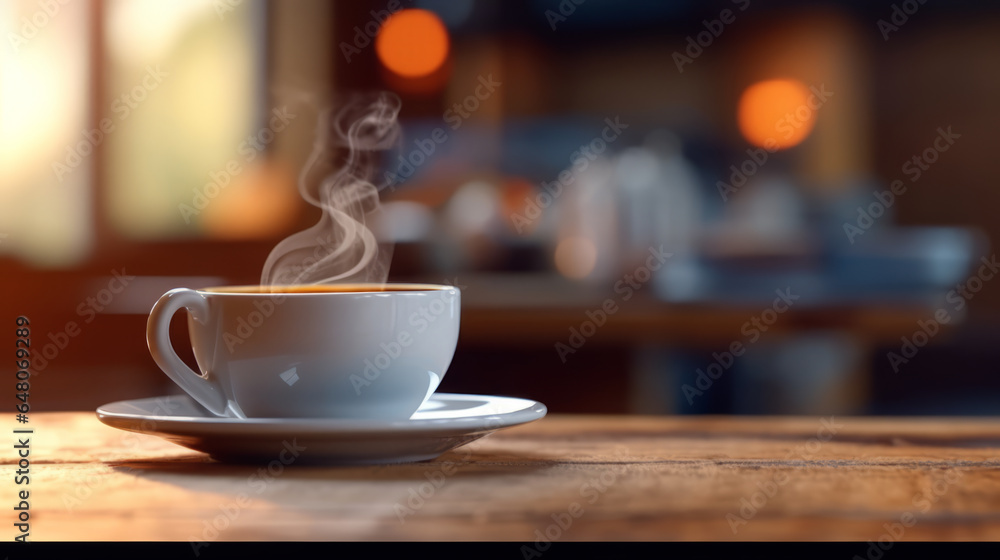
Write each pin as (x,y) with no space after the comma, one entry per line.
(352,351)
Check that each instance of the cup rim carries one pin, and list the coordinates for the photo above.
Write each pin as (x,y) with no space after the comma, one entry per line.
(375,288)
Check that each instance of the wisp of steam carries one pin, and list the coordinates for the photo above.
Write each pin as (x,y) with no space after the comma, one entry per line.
(337,178)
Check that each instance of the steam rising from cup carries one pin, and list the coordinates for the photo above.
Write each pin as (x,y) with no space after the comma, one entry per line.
(341,247)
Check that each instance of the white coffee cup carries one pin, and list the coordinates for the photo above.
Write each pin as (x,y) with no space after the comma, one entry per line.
(359,351)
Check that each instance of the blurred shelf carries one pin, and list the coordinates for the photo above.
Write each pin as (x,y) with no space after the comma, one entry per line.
(542,309)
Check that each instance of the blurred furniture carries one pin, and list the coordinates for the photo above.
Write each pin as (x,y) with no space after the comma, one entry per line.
(562,478)
(640,358)
(510,326)
(511,323)
(827,366)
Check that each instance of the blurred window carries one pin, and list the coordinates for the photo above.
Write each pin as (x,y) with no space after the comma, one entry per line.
(177,127)
(45,141)
(183,91)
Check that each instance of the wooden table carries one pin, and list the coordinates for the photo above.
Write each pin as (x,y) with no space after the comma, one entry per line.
(567,477)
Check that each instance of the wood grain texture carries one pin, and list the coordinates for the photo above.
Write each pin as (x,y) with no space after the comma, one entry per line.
(603,477)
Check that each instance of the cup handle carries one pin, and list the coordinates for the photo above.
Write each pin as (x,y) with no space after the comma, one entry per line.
(203,389)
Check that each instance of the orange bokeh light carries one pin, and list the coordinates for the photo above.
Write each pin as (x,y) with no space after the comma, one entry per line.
(575,257)
(261,202)
(777,114)
(412,43)
(514,197)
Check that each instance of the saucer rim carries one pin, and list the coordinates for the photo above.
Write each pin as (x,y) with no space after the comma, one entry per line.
(531,411)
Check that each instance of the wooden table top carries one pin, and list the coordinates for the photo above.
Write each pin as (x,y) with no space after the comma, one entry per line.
(567,477)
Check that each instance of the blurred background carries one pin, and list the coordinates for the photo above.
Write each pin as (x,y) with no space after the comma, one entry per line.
(673,207)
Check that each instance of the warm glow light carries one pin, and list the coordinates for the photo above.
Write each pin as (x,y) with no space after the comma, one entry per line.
(472,207)
(260,203)
(46,146)
(192,126)
(32,112)
(575,257)
(513,200)
(140,31)
(777,114)
(412,43)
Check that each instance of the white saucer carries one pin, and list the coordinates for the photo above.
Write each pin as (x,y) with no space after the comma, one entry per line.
(445,422)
